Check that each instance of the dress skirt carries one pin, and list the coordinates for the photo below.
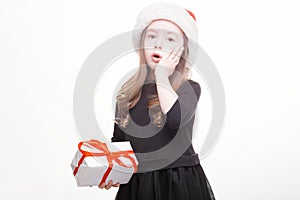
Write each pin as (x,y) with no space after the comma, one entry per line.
(180,183)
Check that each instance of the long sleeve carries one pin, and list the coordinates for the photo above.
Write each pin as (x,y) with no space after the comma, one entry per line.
(118,134)
(184,107)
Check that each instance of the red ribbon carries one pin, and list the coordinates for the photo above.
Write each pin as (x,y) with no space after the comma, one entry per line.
(105,152)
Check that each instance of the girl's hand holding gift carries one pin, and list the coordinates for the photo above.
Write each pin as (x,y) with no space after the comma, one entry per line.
(109,185)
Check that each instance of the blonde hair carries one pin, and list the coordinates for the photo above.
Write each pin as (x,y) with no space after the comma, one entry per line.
(130,92)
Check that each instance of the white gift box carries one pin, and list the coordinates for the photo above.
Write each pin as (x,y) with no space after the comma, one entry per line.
(91,165)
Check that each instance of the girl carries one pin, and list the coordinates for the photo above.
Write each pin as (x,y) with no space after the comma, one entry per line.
(156,106)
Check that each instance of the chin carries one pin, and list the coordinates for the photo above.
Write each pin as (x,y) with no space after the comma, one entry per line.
(152,66)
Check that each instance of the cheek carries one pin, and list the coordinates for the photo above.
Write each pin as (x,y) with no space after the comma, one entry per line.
(148,44)
(171,45)
(147,54)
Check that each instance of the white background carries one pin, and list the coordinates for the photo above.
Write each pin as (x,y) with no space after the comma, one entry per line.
(254,45)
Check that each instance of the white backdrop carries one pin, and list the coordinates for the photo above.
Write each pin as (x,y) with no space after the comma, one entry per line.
(254,44)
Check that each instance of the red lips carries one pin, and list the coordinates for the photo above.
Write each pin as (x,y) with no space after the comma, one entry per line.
(156,57)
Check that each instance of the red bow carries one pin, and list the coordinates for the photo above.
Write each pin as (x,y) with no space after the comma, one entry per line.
(105,152)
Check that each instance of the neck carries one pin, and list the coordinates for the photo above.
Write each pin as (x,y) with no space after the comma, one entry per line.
(150,76)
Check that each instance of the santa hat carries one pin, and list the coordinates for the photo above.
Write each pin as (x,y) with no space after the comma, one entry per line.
(182,17)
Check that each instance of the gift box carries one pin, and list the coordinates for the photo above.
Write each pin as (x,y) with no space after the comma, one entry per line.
(94,163)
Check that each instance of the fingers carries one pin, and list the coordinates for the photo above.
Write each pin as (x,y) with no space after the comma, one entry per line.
(102,185)
(170,60)
(165,55)
(109,185)
(116,185)
(176,53)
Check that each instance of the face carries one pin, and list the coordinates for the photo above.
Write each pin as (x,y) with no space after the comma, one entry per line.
(161,37)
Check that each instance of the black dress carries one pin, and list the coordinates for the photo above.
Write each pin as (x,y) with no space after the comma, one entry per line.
(183,178)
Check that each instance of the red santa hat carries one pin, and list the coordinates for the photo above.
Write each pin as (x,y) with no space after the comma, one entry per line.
(182,17)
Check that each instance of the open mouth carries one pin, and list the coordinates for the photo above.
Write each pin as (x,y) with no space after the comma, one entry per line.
(156,57)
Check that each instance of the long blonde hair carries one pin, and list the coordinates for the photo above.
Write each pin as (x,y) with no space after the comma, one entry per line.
(130,92)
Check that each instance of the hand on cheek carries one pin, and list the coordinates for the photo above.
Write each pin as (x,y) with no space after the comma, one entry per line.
(169,61)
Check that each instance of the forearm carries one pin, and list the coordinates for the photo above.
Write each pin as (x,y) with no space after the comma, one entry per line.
(166,94)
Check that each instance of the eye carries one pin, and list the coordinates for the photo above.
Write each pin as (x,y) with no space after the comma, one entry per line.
(151,36)
(170,39)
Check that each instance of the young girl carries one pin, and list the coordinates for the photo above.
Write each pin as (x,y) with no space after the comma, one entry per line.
(156,107)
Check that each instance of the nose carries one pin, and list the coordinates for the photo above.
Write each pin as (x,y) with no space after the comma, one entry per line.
(158,44)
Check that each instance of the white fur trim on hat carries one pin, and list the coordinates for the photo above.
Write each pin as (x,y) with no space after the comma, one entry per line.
(171,12)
